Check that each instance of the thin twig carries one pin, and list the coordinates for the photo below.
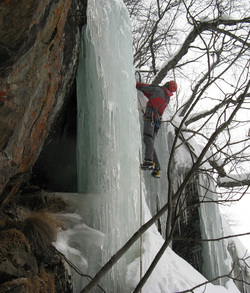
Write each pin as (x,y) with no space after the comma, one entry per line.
(212,239)
(76,269)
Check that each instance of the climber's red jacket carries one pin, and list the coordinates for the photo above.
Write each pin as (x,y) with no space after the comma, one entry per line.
(158,97)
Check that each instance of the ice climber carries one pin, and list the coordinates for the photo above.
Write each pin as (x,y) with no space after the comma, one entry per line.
(158,99)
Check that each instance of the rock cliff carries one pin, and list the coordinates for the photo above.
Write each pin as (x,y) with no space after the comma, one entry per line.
(39,44)
(39,53)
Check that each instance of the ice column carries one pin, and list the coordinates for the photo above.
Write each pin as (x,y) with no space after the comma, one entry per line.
(108,135)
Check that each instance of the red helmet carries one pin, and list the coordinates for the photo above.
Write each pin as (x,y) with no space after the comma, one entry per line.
(172,86)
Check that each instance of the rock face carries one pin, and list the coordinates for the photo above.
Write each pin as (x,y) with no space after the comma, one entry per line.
(28,261)
(39,46)
(39,54)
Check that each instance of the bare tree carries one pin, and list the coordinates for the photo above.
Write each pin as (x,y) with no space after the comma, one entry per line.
(174,196)
(204,45)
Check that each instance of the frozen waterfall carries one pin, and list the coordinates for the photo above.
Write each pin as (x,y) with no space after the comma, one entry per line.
(108,134)
(114,197)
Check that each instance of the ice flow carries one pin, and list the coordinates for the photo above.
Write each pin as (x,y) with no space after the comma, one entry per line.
(113,199)
(108,134)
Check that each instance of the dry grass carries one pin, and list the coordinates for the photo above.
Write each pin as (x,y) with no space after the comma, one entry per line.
(43,283)
(41,229)
(48,281)
(11,239)
(31,224)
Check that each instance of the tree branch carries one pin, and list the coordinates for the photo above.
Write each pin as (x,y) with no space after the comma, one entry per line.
(211,239)
(198,84)
(233,182)
(75,268)
(148,224)
(214,109)
(196,31)
(232,36)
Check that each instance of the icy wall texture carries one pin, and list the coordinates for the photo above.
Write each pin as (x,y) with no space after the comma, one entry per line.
(109,153)
(108,133)
(213,258)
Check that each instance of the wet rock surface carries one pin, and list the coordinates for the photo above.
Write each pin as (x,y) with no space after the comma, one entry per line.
(40,42)
(28,260)
(39,46)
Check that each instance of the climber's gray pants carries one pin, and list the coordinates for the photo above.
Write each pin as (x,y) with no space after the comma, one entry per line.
(149,134)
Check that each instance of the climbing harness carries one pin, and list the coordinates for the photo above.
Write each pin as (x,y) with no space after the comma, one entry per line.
(155,120)
(157,123)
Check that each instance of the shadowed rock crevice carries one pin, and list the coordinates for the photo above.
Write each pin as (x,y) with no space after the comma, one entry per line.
(39,48)
(56,167)
(38,83)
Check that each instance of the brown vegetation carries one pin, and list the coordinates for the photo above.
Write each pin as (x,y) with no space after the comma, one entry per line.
(41,229)
(42,283)
(28,262)
(12,239)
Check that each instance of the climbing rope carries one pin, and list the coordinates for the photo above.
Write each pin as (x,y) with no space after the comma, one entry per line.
(141,239)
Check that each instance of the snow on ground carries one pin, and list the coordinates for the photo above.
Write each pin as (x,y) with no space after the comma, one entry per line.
(172,273)
(238,218)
